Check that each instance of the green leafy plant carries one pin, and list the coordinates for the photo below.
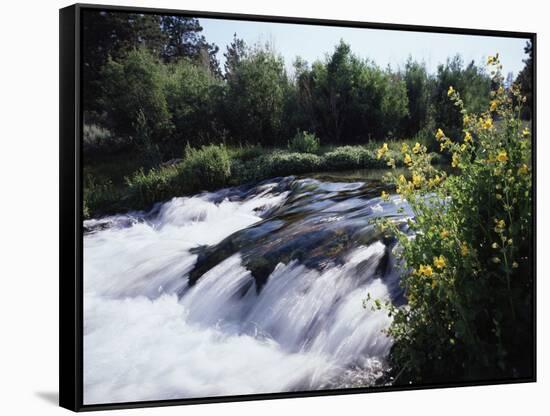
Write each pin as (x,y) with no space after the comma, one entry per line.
(304,142)
(467,272)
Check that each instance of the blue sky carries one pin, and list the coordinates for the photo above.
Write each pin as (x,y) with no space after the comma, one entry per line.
(382,46)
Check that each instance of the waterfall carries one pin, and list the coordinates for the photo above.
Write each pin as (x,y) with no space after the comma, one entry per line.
(294,323)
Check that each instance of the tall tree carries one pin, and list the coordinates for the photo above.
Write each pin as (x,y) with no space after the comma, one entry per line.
(235,52)
(184,40)
(525,80)
(110,34)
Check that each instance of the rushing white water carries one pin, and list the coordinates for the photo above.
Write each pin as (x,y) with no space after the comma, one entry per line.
(148,335)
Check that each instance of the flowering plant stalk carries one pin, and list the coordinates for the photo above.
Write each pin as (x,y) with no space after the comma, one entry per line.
(467,272)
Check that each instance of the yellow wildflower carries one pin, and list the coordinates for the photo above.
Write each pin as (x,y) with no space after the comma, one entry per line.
(526,132)
(439,262)
(450,91)
(487,123)
(404,148)
(494,245)
(382,151)
(501,224)
(416,148)
(494,105)
(439,134)
(407,159)
(455,161)
(468,137)
(502,156)
(385,196)
(402,179)
(466,119)
(425,270)
(463,147)
(523,169)
(444,234)
(464,250)
(515,265)
(417,180)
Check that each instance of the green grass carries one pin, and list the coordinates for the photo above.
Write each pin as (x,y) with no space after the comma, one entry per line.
(118,182)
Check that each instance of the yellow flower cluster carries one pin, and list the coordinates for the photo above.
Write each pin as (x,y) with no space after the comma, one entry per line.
(425,270)
(385,196)
(439,262)
(416,148)
(486,123)
(468,137)
(436,180)
(502,156)
(464,250)
(492,60)
(417,180)
(382,151)
(439,134)
(455,161)
(523,169)
(407,159)
(450,91)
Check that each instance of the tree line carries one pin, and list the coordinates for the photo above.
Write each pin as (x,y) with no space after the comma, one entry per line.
(155,83)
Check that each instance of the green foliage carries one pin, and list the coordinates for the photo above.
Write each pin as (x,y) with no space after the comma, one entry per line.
(134,88)
(97,195)
(468,271)
(304,142)
(348,157)
(191,94)
(525,81)
(474,85)
(157,184)
(419,87)
(254,98)
(205,168)
(349,99)
(208,167)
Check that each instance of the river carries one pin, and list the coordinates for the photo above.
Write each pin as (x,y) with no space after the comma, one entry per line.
(251,289)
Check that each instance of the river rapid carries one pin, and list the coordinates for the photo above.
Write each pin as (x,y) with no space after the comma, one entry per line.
(251,289)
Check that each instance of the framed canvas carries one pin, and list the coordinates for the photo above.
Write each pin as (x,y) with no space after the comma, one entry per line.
(259,207)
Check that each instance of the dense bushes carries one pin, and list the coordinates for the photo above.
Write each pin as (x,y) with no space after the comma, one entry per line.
(159,106)
(208,167)
(468,271)
(304,142)
(214,166)
(133,87)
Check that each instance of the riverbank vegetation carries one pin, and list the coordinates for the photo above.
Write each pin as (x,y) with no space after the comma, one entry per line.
(468,272)
(163,118)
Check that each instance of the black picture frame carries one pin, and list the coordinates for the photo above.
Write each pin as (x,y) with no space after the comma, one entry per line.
(70,202)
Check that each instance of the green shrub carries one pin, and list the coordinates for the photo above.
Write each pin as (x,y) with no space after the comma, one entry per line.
(345,157)
(467,273)
(98,195)
(208,167)
(158,184)
(304,142)
(247,152)
(282,164)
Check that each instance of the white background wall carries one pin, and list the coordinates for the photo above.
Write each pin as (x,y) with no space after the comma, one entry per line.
(29,206)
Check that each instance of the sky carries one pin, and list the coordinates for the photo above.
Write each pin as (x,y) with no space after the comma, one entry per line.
(380,45)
